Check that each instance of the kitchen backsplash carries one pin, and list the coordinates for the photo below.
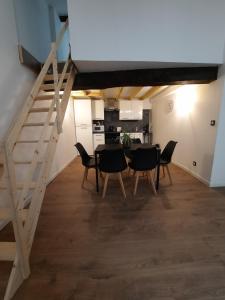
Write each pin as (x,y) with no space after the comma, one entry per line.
(112,119)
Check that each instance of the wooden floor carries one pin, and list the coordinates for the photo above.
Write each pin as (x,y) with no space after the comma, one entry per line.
(165,247)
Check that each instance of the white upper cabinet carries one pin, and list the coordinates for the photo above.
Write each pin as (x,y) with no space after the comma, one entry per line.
(137,109)
(131,110)
(125,109)
(98,109)
(83,113)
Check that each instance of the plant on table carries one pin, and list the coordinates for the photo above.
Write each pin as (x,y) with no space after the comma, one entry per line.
(125,139)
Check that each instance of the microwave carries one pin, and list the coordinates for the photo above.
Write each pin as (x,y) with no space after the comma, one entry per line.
(98,128)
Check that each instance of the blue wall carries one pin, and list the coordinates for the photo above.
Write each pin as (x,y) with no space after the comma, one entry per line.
(33,28)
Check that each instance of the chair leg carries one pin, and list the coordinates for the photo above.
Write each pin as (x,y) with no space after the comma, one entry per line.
(105,185)
(151,181)
(136,183)
(163,167)
(155,174)
(121,184)
(84,176)
(168,171)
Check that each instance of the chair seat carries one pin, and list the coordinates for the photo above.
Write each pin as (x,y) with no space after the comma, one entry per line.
(163,162)
(113,170)
(137,169)
(91,163)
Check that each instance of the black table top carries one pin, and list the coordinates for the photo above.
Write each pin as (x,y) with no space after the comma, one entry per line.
(132,147)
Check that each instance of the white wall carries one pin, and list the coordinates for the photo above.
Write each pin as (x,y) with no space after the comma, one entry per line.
(15,80)
(65,151)
(147,30)
(60,6)
(218,170)
(64,49)
(33,27)
(196,138)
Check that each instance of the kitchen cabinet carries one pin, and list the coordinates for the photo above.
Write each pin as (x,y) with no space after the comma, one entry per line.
(138,135)
(131,110)
(125,110)
(83,112)
(84,136)
(83,124)
(97,109)
(98,139)
(137,109)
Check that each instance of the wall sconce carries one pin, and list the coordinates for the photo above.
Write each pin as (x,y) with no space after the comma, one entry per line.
(185,99)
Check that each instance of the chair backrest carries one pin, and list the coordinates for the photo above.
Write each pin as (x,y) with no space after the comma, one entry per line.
(144,159)
(112,161)
(136,141)
(83,153)
(168,151)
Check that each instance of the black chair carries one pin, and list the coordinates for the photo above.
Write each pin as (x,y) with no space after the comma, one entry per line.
(112,161)
(128,153)
(166,157)
(136,141)
(144,160)
(87,161)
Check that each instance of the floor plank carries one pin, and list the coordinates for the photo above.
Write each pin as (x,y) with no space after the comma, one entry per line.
(164,247)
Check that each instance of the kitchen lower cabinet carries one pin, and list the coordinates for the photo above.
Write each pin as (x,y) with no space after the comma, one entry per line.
(98,139)
(138,135)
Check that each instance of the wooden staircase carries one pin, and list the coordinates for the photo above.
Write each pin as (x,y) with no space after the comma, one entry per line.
(25,161)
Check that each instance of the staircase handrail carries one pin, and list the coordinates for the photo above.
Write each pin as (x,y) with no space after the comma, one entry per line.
(17,125)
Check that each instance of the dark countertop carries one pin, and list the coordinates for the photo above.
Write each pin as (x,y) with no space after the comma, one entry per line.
(116,132)
(97,132)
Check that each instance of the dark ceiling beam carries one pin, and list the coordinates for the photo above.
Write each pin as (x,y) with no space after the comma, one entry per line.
(145,77)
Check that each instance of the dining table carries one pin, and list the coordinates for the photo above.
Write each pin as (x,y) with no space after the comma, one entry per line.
(130,149)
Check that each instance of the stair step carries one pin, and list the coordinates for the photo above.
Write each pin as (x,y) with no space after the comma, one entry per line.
(19,185)
(37,124)
(40,109)
(50,77)
(44,97)
(50,86)
(7,251)
(30,142)
(5,214)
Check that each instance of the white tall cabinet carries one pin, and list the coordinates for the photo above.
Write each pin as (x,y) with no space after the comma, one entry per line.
(83,123)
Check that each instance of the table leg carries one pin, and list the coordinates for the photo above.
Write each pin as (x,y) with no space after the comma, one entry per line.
(158,171)
(96,173)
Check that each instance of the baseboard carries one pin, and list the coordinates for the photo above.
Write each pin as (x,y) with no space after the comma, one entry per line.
(203,180)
